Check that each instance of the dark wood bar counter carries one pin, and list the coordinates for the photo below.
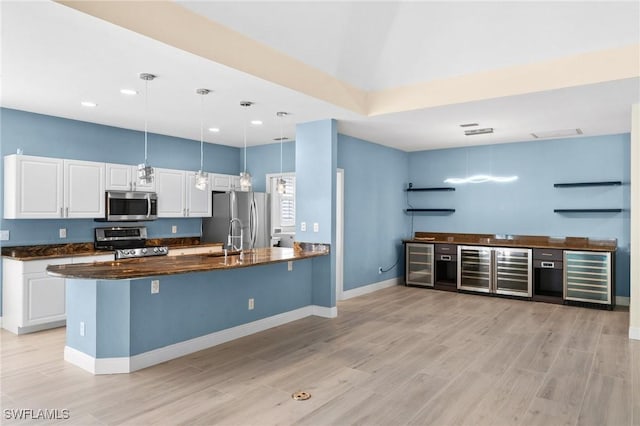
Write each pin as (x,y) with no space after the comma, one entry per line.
(168,265)
(523,241)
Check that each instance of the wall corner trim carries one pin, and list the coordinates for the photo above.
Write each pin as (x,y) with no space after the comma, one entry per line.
(622,300)
(370,288)
(634,333)
(157,356)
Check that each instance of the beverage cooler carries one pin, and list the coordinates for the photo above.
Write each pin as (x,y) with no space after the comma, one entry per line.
(495,270)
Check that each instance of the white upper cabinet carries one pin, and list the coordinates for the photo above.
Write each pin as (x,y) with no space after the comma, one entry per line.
(170,186)
(49,188)
(124,177)
(83,189)
(198,202)
(178,197)
(220,182)
(33,187)
(224,183)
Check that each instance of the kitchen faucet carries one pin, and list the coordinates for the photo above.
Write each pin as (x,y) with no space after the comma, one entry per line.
(232,237)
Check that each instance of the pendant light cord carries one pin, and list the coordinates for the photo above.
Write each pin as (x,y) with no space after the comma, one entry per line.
(245,145)
(281,118)
(201,131)
(146,116)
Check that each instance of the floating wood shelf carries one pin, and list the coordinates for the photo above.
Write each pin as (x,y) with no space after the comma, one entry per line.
(442,188)
(431,210)
(587,211)
(584,184)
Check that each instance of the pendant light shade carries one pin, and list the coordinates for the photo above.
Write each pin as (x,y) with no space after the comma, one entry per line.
(245,177)
(202,177)
(145,172)
(281,185)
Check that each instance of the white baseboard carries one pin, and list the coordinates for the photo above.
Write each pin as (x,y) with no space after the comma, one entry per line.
(0,322)
(370,288)
(622,301)
(634,333)
(157,356)
(322,311)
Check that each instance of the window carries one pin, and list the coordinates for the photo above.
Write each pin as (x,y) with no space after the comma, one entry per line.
(283,206)
(288,202)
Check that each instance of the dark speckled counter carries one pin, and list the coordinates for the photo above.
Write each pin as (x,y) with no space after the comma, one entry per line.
(163,265)
(523,241)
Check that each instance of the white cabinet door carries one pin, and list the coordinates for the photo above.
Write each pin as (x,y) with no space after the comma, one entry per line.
(170,186)
(118,177)
(220,182)
(84,189)
(235,183)
(124,177)
(45,299)
(138,185)
(198,202)
(33,187)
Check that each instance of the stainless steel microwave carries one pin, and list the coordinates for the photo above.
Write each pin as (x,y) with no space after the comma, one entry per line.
(131,205)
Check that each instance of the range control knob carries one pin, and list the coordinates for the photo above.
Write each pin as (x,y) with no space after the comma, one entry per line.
(144,250)
(155,249)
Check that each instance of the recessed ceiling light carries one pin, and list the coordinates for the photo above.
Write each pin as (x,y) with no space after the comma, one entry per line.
(557,133)
(129,92)
(88,104)
(214,129)
(478,131)
(256,122)
(469,125)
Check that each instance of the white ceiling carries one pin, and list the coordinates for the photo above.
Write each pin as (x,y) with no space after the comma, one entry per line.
(54,56)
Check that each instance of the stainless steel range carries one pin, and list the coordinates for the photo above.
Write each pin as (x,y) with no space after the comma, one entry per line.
(127,242)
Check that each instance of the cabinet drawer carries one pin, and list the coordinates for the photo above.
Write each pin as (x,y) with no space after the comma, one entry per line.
(547,254)
(548,264)
(446,248)
(447,257)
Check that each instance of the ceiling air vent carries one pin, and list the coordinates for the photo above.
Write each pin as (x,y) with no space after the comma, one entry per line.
(557,133)
(478,131)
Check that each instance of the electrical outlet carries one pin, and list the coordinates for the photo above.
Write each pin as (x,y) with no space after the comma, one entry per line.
(63,232)
(174,229)
(251,304)
(155,286)
(379,269)
(316,227)
(4,235)
(289,266)
(82,328)
(303,226)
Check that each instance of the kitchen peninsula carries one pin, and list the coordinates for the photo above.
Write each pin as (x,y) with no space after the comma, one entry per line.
(130,314)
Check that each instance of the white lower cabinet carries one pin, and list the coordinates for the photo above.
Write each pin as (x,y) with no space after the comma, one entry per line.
(32,300)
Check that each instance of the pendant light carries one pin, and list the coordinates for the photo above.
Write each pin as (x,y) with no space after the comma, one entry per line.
(202,177)
(281,185)
(245,177)
(145,172)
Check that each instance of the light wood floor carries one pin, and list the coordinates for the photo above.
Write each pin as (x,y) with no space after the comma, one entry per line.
(398,356)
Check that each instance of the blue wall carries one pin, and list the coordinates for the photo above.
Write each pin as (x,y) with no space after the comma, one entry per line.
(375,177)
(526,205)
(265,159)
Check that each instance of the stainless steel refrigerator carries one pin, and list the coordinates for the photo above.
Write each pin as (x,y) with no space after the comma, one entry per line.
(252,208)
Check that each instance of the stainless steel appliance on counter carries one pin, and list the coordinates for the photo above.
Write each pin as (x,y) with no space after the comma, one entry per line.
(253,211)
(124,206)
(127,242)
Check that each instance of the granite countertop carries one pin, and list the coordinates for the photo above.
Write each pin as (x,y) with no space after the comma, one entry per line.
(523,241)
(53,251)
(163,265)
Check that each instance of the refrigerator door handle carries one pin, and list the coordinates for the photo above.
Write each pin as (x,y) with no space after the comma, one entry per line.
(256,224)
